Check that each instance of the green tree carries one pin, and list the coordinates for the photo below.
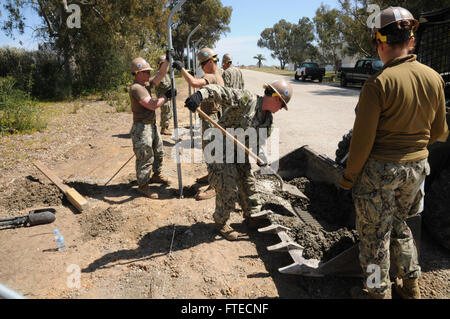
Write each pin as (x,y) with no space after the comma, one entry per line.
(260,58)
(329,35)
(278,39)
(301,47)
(354,17)
(211,14)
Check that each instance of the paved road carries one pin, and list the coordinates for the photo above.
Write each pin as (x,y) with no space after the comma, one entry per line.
(319,113)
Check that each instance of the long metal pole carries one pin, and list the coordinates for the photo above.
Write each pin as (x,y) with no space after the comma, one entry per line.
(194,60)
(174,101)
(188,49)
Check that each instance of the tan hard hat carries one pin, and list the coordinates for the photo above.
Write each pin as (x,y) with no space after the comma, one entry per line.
(391,15)
(283,88)
(206,54)
(227,58)
(140,65)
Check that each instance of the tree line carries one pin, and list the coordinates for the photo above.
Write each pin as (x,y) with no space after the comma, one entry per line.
(96,55)
(333,32)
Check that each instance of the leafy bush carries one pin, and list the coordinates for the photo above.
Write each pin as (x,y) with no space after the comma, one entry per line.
(18,112)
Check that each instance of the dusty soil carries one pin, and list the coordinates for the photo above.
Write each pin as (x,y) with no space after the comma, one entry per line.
(128,246)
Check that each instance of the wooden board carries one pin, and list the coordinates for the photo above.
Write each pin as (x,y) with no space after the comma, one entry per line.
(72,195)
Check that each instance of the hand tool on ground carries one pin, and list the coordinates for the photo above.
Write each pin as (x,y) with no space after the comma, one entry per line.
(174,101)
(35,217)
(285,187)
(72,195)
(120,169)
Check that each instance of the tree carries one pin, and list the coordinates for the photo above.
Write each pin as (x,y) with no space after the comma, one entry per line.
(260,58)
(213,17)
(301,46)
(278,40)
(329,35)
(354,17)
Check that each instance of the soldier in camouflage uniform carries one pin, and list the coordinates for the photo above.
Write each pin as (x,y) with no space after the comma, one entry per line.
(166,109)
(242,109)
(208,62)
(147,142)
(396,120)
(232,76)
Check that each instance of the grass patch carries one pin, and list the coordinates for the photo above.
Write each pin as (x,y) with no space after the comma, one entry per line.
(273,70)
(19,113)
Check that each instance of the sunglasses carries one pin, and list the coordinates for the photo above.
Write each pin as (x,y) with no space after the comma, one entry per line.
(272,93)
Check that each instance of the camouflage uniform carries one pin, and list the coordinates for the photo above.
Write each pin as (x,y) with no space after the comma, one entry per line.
(148,147)
(242,109)
(147,141)
(232,77)
(385,195)
(166,109)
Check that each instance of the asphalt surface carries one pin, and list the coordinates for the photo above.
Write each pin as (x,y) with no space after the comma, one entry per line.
(319,113)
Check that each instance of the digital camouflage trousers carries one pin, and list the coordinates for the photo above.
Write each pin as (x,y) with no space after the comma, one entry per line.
(233,183)
(385,195)
(166,115)
(148,147)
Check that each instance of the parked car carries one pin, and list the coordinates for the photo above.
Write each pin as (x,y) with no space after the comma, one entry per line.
(364,68)
(309,70)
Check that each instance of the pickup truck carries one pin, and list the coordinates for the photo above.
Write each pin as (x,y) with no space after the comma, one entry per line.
(364,68)
(309,70)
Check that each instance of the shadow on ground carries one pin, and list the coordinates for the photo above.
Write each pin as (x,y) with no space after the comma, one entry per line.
(159,243)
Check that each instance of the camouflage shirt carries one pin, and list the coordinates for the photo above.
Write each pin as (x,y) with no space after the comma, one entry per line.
(232,77)
(163,86)
(242,109)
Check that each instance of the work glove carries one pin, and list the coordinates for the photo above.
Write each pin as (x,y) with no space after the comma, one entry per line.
(170,53)
(193,101)
(177,65)
(171,93)
(345,194)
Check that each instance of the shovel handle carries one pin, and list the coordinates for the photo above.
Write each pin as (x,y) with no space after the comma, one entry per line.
(247,151)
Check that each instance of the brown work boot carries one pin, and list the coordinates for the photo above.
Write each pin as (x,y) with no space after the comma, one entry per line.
(206,194)
(159,178)
(166,131)
(227,232)
(254,223)
(407,288)
(203,180)
(362,293)
(145,190)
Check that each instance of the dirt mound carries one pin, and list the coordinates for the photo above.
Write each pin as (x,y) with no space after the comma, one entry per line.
(29,192)
(98,223)
(318,243)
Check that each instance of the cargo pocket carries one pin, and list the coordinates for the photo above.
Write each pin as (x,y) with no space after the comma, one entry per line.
(417,205)
(368,206)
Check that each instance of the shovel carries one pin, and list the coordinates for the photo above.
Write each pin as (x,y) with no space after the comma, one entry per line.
(288,188)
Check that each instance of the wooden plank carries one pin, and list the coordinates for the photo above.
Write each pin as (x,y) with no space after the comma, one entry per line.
(78,201)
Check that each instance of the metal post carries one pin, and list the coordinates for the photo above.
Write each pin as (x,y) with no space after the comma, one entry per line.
(194,61)
(174,101)
(188,49)
(8,293)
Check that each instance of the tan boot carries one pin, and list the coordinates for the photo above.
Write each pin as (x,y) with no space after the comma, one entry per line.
(159,178)
(144,190)
(166,131)
(408,288)
(203,180)
(206,194)
(254,223)
(227,232)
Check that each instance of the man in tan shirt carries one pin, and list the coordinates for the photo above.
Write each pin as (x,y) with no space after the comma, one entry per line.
(147,141)
(208,62)
(401,110)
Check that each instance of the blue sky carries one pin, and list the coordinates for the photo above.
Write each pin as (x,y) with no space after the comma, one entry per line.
(249,19)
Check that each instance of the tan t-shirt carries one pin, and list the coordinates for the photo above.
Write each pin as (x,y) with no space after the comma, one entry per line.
(211,107)
(140,114)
